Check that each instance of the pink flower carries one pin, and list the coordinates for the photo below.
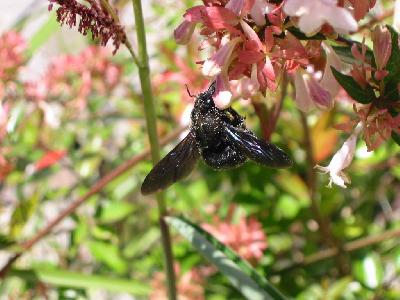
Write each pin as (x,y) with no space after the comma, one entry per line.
(12,47)
(341,160)
(220,60)
(328,81)
(310,93)
(314,13)
(189,285)
(183,32)
(246,87)
(378,125)
(382,46)
(259,10)
(246,237)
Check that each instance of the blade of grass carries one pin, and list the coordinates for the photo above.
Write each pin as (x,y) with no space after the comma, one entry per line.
(239,272)
(59,277)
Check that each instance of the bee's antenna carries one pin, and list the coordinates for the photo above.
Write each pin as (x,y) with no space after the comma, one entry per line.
(187,88)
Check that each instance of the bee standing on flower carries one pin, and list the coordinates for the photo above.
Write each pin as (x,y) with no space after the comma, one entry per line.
(220,138)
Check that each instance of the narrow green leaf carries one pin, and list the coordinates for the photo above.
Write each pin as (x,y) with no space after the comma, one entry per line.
(22,214)
(59,277)
(114,211)
(242,276)
(369,270)
(355,91)
(5,242)
(396,137)
(108,254)
(43,34)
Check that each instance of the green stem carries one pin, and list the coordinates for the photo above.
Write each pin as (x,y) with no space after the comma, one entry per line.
(144,74)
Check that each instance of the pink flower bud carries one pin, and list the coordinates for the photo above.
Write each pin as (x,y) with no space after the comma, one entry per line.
(382,46)
(183,32)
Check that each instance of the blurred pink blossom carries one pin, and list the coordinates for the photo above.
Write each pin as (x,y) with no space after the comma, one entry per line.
(314,13)
(12,47)
(189,285)
(73,78)
(183,32)
(246,237)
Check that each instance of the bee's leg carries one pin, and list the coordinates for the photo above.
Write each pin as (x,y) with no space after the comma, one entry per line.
(232,117)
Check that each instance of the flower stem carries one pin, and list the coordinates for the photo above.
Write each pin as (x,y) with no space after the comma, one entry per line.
(144,75)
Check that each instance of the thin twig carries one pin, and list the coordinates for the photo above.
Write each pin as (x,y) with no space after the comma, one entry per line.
(348,247)
(276,111)
(377,19)
(96,188)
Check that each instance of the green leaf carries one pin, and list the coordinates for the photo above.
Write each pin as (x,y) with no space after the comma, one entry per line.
(242,276)
(355,91)
(396,137)
(369,270)
(59,277)
(114,211)
(5,242)
(347,57)
(43,34)
(22,213)
(109,255)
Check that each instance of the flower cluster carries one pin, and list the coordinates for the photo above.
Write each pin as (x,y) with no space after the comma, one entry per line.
(246,236)
(94,18)
(73,78)
(189,285)
(254,44)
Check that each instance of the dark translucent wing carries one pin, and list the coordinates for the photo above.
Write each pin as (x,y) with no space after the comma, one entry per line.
(255,149)
(177,164)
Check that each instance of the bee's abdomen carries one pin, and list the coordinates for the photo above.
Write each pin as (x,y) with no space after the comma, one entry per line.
(223,155)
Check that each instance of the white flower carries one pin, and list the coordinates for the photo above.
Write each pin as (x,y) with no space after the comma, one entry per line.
(259,10)
(396,16)
(328,81)
(314,13)
(341,160)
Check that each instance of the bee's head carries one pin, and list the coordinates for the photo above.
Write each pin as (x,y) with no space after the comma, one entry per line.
(205,100)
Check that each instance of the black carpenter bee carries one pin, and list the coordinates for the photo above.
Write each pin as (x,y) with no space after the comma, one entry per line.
(220,138)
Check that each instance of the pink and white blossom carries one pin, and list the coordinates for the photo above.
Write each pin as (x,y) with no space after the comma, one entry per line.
(309,92)
(219,61)
(341,160)
(314,13)
(184,32)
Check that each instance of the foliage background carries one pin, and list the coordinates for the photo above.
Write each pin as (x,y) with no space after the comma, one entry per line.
(109,247)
